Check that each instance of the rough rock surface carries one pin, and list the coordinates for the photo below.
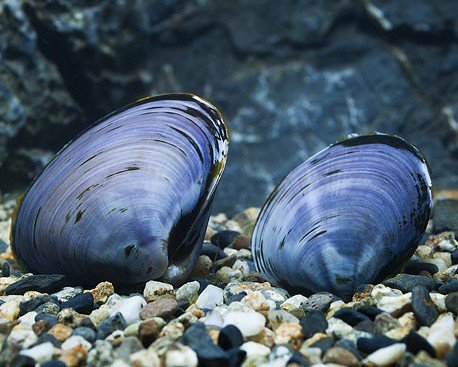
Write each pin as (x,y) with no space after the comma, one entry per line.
(290,77)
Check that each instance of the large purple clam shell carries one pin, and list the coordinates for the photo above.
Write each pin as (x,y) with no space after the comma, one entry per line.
(129,199)
(351,214)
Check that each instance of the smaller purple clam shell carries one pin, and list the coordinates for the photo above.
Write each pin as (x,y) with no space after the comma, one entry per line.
(351,214)
(129,199)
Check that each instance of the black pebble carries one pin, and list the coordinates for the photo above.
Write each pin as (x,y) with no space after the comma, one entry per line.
(416,267)
(212,251)
(44,338)
(423,307)
(449,287)
(455,257)
(203,284)
(406,282)
(298,358)
(350,316)
(230,337)
(87,322)
(85,332)
(236,357)
(22,361)
(53,363)
(452,357)
(224,239)
(33,304)
(115,322)
(81,303)
(43,283)
(183,305)
(369,311)
(324,344)
(349,345)
(47,317)
(451,302)
(319,301)
(6,270)
(313,322)
(367,325)
(370,345)
(236,297)
(416,343)
(209,354)
(49,308)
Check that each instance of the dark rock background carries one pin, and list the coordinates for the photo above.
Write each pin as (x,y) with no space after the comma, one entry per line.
(290,77)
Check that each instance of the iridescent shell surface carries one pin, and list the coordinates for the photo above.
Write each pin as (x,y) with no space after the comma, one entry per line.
(351,214)
(129,199)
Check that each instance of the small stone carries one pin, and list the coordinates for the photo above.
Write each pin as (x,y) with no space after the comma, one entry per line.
(212,251)
(31,304)
(442,334)
(145,358)
(350,316)
(424,252)
(130,309)
(74,341)
(446,256)
(40,353)
(323,344)
(423,307)
(173,330)
(86,333)
(278,317)
(82,303)
(115,322)
(214,318)
(386,356)
(10,310)
(370,345)
(179,355)
(102,292)
(42,326)
(188,292)
(452,357)
(318,301)
(210,298)
(128,346)
(341,356)
(67,293)
(454,257)
(149,330)
(406,282)
(155,290)
(451,302)
(293,302)
(255,349)
(396,305)
(313,322)
(385,322)
(50,308)
(203,267)
(224,238)
(165,308)
(43,283)
(53,363)
(241,242)
(369,311)
(249,323)
(415,343)
(209,354)
(416,267)
(230,337)
(449,287)
(60,332)
(289,333)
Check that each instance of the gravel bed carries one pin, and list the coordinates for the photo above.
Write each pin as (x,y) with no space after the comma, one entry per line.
(228,315)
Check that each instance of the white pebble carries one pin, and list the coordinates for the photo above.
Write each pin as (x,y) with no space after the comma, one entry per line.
(67,293)
(395,305)
(156,290)
(255,349)
(183,357)
(210,298)
(130,309)
(145,358)
(214,318)
(293,302)
(40,353)
(23,336)
(386,356)
(442,334)
(249,323)
(74,341)
(10,310)
(28,319)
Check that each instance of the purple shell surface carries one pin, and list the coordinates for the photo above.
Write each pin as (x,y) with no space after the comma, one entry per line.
(129,199)
(351,214)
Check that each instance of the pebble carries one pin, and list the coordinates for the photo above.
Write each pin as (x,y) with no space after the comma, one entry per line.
(40,353)
(319,301)
(278,317)
(423,307)
(386,356)
(454,257)
(395,305)
(130,309)
(102,292)
(10,310)
(60,332)
(54,363)
(416,267)
(230,337)
(74,341)
(370,311)
(313,322)
(224,239)
(85,332)
(451,302)
(289,332)
(188,292)
(81,303)
(350,316)
(293,302)
(6,271)
(31,304)
(416,343)
(370,345)
(115,322)
(43,283)
(149,330)
(255,349)
(145,358)
(452,357)
(50,308)
(210,298)
(341,356)
(212,251)
(181,356)
(449,287)
(249,323)
(165,307)
(442,334)
(385,322)
(324,344)
(406,282)
(129,346)
(156,290)
(67,293)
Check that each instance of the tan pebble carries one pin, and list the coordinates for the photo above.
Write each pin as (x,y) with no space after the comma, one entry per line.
(446,256)
(145,358)
(195,311)
(289,333)
(10,310)
(60,332)
(424,359)
(384,322)
(203,267)
(173,330)
(155,290)
(312,354)
(440,263)
(116,338)
(233,225)
(386,356)
(5,282)
(74,357)
(102,292)
(265,337)
(439,301)
(241,242)
(341,356)
(256,301)
(70,317)
(396,305)
(398,333)
(408,320)
(31,295)
(316,337)
(149,330)
(442,334)
(219,218)
(424,252)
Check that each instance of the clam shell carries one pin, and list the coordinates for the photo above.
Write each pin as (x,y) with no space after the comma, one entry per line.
(129,199)
(351,214)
